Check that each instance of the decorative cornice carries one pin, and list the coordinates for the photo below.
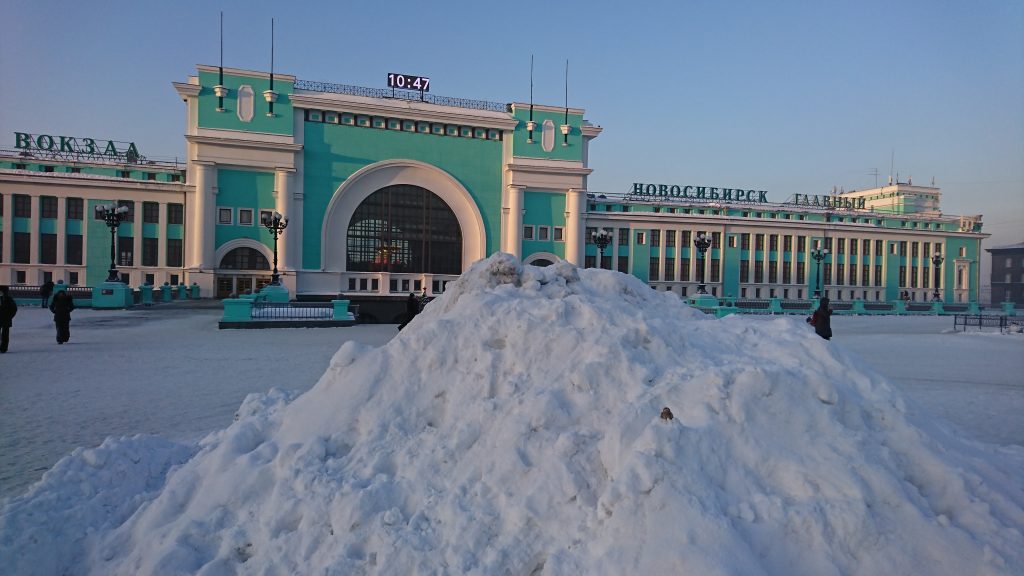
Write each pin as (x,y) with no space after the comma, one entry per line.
(187,90)
(247,73)
(231,142)
(545,108)
(404,109)
(591,131)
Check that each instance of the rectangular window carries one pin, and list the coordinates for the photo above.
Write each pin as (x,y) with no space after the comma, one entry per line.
(623,236)
(840,274)
(865,275)
(801,244)
(684,269)
(641,238)
(48,248)
(22,206)
(903,248)
(245,216)
(225,216)
(125,173)
(773,271)
(758,241)
(685,239)
(624,264)
(670,269)
(73,249)
(732,240)
(74,208)
(758,272)
(841,247)
(826,273)
(48,207)
(655,238)
(128,216)
(174,252)
(125,251)
(590,261)
(773,243)
(559,234)
(73,278)
(744,241)
(175,214)
(787,276)
(21,243)
(801,275)
(151,176)
(150,212)
(879,249)
(150,247)
(670,239)
(543,233)
(716,240)
(913,276)
(853,246)
(744,270)
(878,274)
(866,245)
(853,271)
(787,243)
(654,275)
(527,232)
(828,244)
(716,271)
(903,276)
(913,249)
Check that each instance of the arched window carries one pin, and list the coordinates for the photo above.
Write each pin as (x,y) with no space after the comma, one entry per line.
(244,258)
(404,229)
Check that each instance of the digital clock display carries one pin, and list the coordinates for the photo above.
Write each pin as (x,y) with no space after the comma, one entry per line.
(408,82)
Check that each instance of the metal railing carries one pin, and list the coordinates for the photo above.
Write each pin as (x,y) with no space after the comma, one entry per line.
(979,321)
(407,95)
(292,310)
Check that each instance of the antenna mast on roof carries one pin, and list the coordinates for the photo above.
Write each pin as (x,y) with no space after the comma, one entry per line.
(219,88)
(565,127)
(531,124)
(270,94)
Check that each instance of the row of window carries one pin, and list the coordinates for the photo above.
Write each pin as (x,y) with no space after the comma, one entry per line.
(544,233)
(403,125)
(227,216)
(150,176)
(74,209)
(21,250)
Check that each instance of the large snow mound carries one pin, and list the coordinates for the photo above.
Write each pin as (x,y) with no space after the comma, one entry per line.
(513,428)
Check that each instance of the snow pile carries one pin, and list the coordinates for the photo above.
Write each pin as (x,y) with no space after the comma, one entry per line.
(513,428)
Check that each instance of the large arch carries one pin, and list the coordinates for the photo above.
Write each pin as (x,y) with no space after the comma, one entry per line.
(369,179)
(227,247)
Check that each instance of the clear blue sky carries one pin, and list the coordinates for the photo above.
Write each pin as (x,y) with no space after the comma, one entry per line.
(789,97)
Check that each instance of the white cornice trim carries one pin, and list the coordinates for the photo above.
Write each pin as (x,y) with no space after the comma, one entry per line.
(247,73)
(591,131)
(543,166)
(187,90)
(544,108)
(92,181)
(403,109)
(235,143)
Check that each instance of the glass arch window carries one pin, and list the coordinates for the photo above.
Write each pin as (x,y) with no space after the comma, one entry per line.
(404,229)
(244,258)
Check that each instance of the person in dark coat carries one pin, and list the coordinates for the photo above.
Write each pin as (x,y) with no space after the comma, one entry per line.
(822,320)
(8,308)
(45,292)
(61,307)
(412,308)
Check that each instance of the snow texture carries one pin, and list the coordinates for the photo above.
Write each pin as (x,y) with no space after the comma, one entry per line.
(513,428)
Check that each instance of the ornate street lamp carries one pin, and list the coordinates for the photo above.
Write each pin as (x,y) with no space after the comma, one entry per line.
(602,238)
(702,242)
(276,224)
(936,262)
(818,254)
(112,215)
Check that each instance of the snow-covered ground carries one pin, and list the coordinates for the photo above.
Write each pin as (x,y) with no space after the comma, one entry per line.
(513,428)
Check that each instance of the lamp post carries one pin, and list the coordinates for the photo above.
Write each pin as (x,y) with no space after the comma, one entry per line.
(702,242)
(276,224)
(112,215)
(818,254)
(936,262)
(602,238)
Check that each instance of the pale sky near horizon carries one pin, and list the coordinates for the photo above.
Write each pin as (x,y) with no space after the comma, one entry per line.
(789,97)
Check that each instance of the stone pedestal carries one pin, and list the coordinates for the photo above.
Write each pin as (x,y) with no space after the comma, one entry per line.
(112,295)
(276,293)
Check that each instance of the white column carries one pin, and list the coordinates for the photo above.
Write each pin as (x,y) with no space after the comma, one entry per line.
(514,233)
(7,233)
(283,204)
(33,249)
(136,224)
(575,209)
(202,217)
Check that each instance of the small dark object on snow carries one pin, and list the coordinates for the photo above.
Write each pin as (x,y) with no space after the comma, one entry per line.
(666,414)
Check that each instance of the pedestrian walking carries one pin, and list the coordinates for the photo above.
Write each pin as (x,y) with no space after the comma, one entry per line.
(8,308)
(45,290)
(61,307)
(822,320)
(412,308)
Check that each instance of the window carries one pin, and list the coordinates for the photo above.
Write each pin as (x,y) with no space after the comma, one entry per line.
(670,238)
(125,251)
(266,215)
(75,170)
(641,238)
(559,234)
(624,264)
(150,212)
(913,249)
(773,271)
(175,214)
(685,239)
(74,208)
(20,247)
(773,243)
(588,235)
(151,176)
(47,207)
(903,276)
(125,173)
(716,240)
(47,168)
(744,241)
(787,243)
(787,275)
(840,274)
(732,240)
(543,233)
(655,238)
(245,216)
(903,248)
(841,247)
(853,246)
(654,275)
(744,270)
(590,261)
(48,248)
(225,216)
(758,272)
(174,252)
(73,278)
(716,271)
(527,232)
(150,247)
(128,216)
(963,252)
(801,244)
(759,242)
(670,269)
(22,206)
(73,249)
